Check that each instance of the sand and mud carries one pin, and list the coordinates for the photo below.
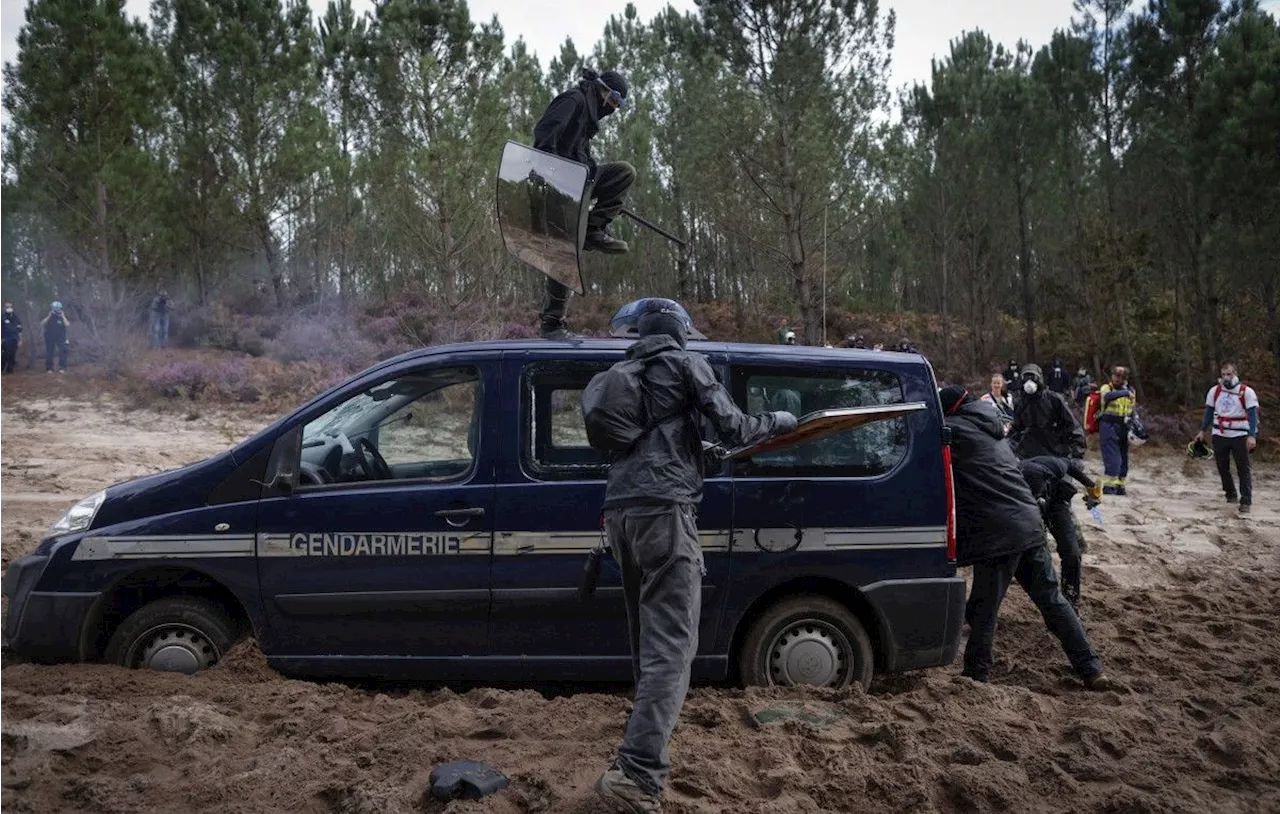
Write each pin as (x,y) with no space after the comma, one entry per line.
(1182,600)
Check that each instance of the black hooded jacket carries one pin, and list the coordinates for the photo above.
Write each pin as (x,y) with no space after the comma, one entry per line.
(1043,423)
(995,512)
(570,122)
(665,466)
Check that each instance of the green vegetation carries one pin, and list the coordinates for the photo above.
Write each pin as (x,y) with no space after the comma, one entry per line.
(1112,195)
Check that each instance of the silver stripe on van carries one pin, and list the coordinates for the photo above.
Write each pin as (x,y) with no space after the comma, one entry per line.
(505,543)
(577,542)
(164,547)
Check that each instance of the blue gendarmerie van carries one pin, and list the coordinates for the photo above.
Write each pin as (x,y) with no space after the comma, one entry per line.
(430,519)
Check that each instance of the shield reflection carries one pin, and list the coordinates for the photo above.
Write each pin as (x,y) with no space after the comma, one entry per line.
(541,212)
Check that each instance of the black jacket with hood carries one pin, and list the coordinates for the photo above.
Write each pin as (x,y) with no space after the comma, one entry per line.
(1043,423)
(570,122)
(665,467)
(995,512)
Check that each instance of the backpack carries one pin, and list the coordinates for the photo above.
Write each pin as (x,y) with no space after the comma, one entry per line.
(614,407)
(1092,407)
(1221,423)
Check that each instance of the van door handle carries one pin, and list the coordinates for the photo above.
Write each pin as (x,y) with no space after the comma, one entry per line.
(459,517)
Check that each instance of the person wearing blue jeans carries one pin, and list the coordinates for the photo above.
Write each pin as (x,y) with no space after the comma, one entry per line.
(999,532)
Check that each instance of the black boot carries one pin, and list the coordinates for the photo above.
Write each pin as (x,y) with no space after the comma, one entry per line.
(553,325)
(553,328)
(600,240)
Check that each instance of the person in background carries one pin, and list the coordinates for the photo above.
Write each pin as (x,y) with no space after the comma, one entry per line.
(1000,533)
(566,128)
(1113,430)
(1011,372)
(1042,421)
(12,337)
(160,319)
(650,519)
(999,397)
(1058,378)
(1231,410)
(784,328)
(1082,387)
(55,337)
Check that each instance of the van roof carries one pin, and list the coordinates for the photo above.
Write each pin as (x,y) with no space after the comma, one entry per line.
(707,346)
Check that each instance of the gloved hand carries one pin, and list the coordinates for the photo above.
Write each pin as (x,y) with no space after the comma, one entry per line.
(1094,492)
(784,422)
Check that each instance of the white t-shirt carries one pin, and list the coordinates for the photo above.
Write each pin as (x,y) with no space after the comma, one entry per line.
(1230,413)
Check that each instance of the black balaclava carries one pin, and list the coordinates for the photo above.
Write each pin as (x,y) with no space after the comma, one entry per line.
(952,396)
(659,323)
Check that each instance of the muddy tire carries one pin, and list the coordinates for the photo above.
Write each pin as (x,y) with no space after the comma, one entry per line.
(810,640)
(182,634)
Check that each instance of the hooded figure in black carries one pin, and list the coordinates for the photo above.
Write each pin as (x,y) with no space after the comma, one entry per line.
(999,532)
(1059,379)
(650,516)
(566,129)
(1042,420)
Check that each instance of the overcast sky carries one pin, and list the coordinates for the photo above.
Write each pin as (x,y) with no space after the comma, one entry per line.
(925,27)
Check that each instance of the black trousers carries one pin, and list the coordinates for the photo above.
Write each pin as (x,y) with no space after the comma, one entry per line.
(52,346)
(1062,525)
(1224,449)
(10,355)
(613,180)
(1033,569)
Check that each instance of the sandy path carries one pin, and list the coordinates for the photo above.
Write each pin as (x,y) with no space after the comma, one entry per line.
(1182,601)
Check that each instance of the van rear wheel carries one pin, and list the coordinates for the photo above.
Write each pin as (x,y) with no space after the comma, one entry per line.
(807,640)
(183,634)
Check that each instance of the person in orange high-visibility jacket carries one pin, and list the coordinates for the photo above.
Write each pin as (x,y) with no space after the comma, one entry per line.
(1113,429)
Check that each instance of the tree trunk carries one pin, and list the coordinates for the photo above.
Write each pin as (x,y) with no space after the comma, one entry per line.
(1134,377)
(1024,272)
(104,259)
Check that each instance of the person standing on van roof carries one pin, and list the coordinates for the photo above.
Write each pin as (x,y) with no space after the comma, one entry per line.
(650,516)
(1231,409)
(566,129)
(1042,421)
(1113,430)
(999,532)
(12,337)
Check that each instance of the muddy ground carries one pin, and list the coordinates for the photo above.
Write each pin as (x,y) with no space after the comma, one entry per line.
(1182,601)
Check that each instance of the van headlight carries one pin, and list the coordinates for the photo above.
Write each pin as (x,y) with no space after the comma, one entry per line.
(80,516)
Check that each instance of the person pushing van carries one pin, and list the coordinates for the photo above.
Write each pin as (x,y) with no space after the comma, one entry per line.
(646,412)
(1000,533)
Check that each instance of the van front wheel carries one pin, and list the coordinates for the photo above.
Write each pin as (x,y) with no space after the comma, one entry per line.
(807,640)
(183,634)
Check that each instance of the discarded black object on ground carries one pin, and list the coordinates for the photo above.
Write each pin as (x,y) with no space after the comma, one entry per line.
(465,780)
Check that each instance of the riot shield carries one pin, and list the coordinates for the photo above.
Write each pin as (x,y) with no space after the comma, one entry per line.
(542,211)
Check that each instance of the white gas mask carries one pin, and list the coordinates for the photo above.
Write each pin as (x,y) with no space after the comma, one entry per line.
(1030,387)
